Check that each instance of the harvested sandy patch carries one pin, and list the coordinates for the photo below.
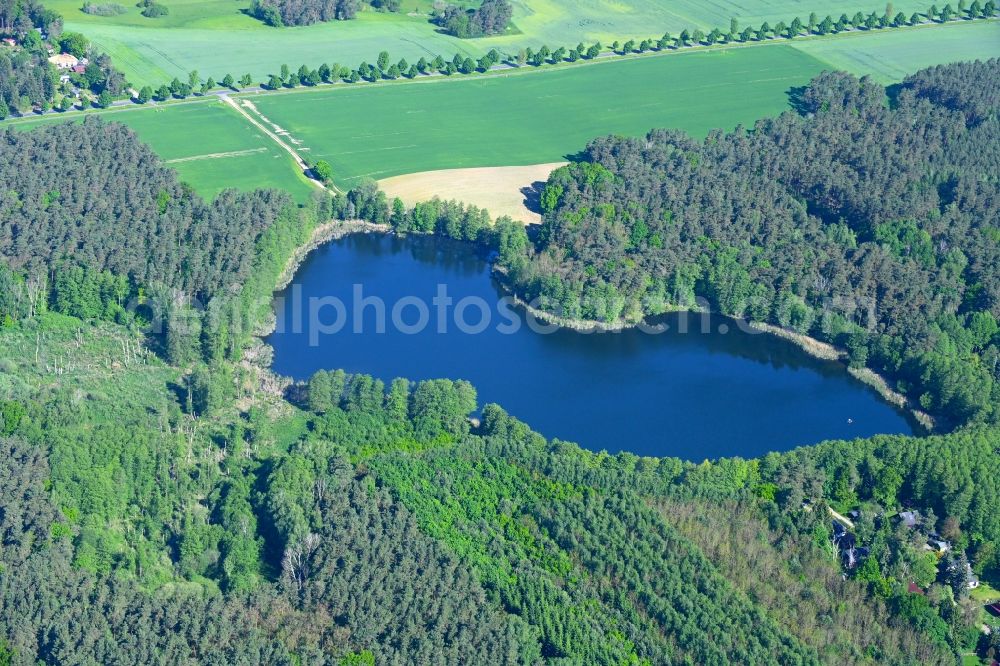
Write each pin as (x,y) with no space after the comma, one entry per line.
(500,190)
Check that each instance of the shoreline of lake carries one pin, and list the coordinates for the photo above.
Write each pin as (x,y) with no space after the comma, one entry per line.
(815,348)
(336,230)
(258,358)
(324,233)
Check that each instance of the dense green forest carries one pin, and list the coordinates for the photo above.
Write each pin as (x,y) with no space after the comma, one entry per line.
(364,518)
(26,80)
(164,498)
(114,235)
(867,219)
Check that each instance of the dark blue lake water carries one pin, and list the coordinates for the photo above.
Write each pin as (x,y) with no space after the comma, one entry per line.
(691,394)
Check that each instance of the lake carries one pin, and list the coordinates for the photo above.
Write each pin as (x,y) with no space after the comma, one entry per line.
(379,304)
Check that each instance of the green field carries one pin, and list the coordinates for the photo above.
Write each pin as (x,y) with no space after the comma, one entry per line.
(210,145)
(534,117)
(381,131)
(521,117)
(216,37)
(889,56)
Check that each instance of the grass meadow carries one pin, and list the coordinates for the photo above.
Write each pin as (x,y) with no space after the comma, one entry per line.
(209,144)
(216,37)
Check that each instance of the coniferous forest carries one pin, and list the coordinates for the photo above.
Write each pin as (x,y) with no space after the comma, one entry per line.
(780,224)
(164,498)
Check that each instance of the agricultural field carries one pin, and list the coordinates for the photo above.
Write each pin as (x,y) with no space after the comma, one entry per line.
(568,21)
(530,118)
(220,39)
(507,119)
(500,190)
(209,145)
(217,37)
(891,55)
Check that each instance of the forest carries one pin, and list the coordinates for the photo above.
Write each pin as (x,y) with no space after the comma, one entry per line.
(26,80)
(164,498)
(491,17)
(280,13)
(18,17)
(778,224)
(115,236)
(369,520)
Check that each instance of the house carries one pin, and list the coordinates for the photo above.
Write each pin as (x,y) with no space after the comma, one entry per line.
(852,556)
(847,544)
(938,545)
(909,518)
(78,69)
(64,61)
(970,579)
(913,588)
(9,42)
(973,581)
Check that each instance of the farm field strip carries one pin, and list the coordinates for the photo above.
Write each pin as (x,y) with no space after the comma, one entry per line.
(395,128)
(209,145)
(383,131)
(216,37)
(500,190)
(897,53)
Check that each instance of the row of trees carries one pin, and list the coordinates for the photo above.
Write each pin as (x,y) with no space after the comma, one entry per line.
(382,69)
(386,69)
(814,26)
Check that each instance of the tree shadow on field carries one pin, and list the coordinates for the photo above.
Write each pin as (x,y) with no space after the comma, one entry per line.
(796,99)
(533,196)
(892,91)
